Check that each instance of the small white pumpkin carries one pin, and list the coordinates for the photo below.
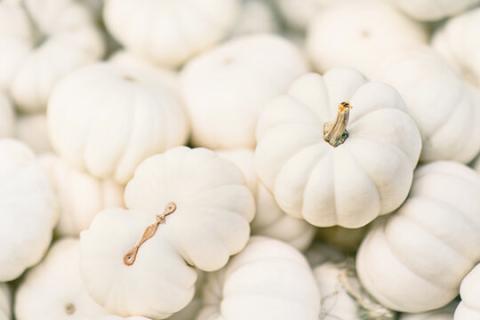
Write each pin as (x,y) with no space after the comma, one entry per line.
(270,220)
(469,307)
(415,260)
(47,40)
(27,210)
(106,119)
(344,172)
(256,16)
(358,34)
(206,213)
(80,196)
(342,296)
(299,14)
(32,130)
(445,313)
(444,108)
(431,10)
(168,32)
(54,288)
(5,302)
(267,280)
(7,117)
(226,88)
(457,41)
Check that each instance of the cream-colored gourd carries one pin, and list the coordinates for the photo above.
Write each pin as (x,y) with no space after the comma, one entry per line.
(27,210)
(444,108)
(106,119)
(270,220)
(41,41)
(457,41)
(80,196)
(169,33)
(186,208)
(342,296)
(445,313)
(226,88)
(256,16)
(358,34)
(431,10)
(334,183)
(299,14)
(32,130)
(7,117)
(54,289)
(469,307)
(415,260)
(267,280)
(5,301)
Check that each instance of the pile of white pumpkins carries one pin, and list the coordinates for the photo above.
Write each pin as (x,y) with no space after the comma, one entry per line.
(239,159)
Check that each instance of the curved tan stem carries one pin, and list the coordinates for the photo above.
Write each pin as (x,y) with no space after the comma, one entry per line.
(130,257)
(335,133)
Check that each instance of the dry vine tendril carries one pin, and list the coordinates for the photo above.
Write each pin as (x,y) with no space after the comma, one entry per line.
(369,307)
(335,133)
(131,255)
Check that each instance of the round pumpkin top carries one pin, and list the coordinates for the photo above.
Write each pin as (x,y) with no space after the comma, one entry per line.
(337,149)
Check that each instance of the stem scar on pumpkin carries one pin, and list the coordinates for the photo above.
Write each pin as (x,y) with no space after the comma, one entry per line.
(130,257)
(335,133)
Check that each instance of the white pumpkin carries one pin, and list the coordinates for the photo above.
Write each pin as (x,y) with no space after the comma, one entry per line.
(206,213)
(358,34)
(443,107)
(80,196)
(457,41)
(267,280)
(106,119)
(269,220)
(54,288)
(32,130)
(38,48)
(5,301)
(469,307)
(7,117)
(27,210)
(363,171)
(342,296)
(226,88)
(431,10)
(256,16)
(445,313)
(414,260)
(299,14)
(169,33)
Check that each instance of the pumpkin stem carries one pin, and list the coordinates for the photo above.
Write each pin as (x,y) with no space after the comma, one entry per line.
(369,308)
(130,257)
(335,133)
